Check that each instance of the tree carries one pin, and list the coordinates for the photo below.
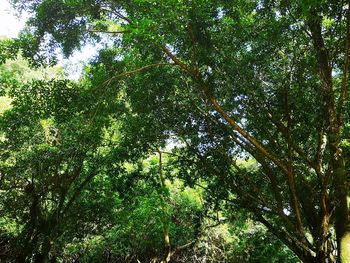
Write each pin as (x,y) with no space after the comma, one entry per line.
(261,80)
(51,149)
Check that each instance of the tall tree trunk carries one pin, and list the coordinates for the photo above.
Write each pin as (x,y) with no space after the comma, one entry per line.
(337,165)
(342,212)
(166,236)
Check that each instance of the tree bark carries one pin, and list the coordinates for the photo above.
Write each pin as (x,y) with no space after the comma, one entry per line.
(166,236)
(342,212)
(338,173)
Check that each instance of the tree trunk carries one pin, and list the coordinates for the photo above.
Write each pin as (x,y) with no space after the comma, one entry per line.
(339,175)
(320,257)
(27,244)
(342,213)
(44,255)
(166,237)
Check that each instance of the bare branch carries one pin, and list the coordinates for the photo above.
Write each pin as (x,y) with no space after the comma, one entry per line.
(118,14)
(107,32)
(135,71)
(178,62)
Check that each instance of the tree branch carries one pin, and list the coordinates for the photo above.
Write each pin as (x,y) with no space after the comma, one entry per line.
(135,71)
(107,32)
(178,62)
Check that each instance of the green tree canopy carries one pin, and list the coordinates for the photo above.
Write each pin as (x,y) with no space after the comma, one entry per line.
(228,80)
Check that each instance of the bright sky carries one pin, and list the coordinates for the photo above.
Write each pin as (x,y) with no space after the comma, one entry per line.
(10,25)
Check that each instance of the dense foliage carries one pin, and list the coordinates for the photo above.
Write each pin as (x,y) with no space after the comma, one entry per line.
(71,191)
(245,99)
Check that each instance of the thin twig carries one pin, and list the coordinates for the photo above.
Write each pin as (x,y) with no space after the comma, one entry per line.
(136,71)
(107,32)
